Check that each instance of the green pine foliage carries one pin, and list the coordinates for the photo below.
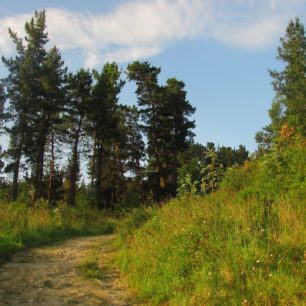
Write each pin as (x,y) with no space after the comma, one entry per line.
(165,112)
(288,109)
(76,115)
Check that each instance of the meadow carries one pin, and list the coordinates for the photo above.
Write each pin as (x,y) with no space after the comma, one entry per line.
(242,245)
(28,226)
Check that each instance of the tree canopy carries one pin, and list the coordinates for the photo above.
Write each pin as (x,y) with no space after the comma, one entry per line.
(70,135)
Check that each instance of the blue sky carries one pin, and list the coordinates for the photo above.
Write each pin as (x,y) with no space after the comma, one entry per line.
(221,49)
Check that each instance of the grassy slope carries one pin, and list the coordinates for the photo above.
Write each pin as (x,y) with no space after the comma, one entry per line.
(22,226)
(240,246)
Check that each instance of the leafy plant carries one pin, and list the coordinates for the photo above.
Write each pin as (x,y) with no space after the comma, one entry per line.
(201,176)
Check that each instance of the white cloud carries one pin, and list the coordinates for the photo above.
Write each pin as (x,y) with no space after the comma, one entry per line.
(120,55)
(17,25)
(140,29)
(255,35)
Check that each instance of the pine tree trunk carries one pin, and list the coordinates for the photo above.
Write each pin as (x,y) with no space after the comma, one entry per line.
(157,174)
(39,165)
(99,197)
(119,190)
(139,180)
(39,171)
(93,163)
(175,175)
(74,166)
(51,175)
(15,177)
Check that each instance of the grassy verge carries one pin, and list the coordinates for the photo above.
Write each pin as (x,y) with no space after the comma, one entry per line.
(90,268)
(22,226)
(243,245)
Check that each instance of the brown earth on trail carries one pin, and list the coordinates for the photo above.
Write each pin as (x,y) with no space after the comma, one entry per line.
(49,276)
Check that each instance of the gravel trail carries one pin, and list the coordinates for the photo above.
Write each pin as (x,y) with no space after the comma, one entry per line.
(49,276)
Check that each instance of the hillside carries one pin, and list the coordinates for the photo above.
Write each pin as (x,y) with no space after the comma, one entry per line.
(243,245)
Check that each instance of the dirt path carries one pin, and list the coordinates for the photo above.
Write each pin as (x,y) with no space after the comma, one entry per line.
(48,276)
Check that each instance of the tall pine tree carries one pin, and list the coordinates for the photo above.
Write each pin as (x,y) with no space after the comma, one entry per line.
(17,111)
(174,112)
(164,112)
(77,109)
(104,120)
(149,94)
(288,110)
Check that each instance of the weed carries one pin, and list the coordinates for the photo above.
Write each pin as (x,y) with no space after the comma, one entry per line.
(22,226)
(243,245)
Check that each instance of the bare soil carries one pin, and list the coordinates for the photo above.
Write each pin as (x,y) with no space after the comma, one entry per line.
(49,276)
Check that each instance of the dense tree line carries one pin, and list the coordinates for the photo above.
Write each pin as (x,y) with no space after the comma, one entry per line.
(128,153)
(202,167)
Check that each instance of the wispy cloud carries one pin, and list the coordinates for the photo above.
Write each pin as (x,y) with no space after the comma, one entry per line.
(140,29)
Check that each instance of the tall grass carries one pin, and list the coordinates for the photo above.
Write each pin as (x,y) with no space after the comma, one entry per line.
(22,226)
(243,245)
